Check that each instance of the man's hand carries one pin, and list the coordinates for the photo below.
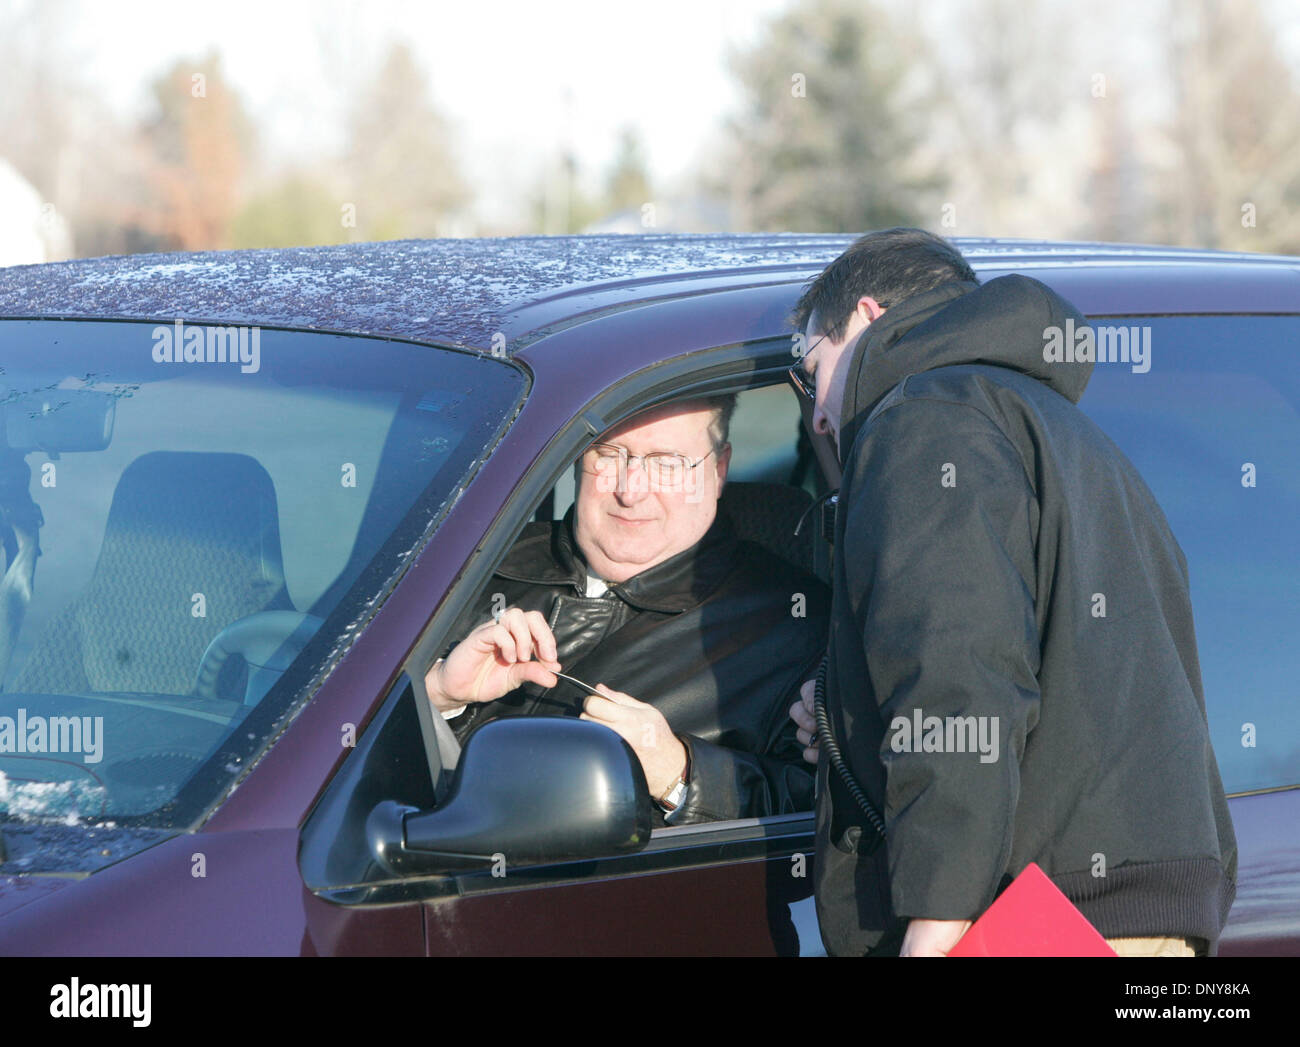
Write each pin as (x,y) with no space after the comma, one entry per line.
(493,660)
(805,718)
(932,937)
(643,727)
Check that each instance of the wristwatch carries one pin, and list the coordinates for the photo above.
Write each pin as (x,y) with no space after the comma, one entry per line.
(676,795)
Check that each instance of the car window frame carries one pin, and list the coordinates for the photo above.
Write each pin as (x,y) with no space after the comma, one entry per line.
(734,367)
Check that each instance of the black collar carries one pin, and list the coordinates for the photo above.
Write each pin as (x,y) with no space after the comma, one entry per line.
(678,584)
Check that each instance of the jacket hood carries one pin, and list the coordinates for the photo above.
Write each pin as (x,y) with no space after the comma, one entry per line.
(1001,323)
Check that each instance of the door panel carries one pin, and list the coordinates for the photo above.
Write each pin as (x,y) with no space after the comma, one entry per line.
(738,909)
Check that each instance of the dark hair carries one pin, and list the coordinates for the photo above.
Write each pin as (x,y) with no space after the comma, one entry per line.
(889,265)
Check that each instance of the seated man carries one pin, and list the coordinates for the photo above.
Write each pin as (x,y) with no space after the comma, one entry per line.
(697,641)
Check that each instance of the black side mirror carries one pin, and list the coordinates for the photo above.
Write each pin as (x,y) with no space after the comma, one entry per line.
(530,789)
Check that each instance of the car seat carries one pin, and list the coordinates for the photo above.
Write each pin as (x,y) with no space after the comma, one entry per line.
(180,523)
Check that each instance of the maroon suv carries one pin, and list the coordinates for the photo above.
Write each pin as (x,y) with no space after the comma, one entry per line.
(244,496)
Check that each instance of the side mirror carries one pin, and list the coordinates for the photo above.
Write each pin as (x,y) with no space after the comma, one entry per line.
(533,789)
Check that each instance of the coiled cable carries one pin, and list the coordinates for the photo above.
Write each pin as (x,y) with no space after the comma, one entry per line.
(832,749)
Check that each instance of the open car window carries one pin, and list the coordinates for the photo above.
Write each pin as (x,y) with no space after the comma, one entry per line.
(392,761)
(772,482)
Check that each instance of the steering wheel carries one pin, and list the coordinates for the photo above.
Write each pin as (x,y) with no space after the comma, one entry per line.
(268,641)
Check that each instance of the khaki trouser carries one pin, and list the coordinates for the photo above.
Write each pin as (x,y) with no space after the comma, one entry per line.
(1155,946)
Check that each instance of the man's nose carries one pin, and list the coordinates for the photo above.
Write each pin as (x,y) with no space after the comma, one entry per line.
(636,483)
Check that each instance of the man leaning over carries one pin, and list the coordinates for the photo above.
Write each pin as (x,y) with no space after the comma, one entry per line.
(1002,567)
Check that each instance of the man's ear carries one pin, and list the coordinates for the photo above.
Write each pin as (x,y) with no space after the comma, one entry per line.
(869,309)
(724,462)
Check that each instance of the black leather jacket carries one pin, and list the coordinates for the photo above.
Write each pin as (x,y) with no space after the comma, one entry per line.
(718,638)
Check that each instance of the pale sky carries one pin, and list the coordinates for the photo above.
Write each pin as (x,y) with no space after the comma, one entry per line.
(515,79)
(500,72)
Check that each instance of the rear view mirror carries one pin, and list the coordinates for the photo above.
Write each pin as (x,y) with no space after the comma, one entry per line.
(59,420)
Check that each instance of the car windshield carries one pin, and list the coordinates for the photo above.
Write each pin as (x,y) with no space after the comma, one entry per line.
(196,522)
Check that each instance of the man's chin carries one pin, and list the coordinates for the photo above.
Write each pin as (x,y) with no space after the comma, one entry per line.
(633,559)
(621,562)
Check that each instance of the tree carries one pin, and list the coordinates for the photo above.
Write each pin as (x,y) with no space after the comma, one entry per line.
(1112,192)
(628,186)
(558,204)
(401,164)
(295,211)
(198,141)
(828,137)
(42,89)
(53,123)
(1233,175)
(1005,116)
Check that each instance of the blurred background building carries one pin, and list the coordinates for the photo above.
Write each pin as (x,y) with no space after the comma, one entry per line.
(147,125)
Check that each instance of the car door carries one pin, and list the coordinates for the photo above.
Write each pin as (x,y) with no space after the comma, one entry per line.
(715,888)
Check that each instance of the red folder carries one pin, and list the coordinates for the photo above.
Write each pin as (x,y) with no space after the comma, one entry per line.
(1032,918)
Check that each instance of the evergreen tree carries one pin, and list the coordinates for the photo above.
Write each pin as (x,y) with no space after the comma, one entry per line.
(401,163)
(828,139)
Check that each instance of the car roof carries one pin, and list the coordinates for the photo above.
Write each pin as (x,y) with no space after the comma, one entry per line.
(471,293)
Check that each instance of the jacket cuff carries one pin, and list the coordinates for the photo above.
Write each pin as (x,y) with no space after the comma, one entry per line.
(709,766)
(725,784)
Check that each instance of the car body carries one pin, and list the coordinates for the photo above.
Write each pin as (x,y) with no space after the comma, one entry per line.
(551,341)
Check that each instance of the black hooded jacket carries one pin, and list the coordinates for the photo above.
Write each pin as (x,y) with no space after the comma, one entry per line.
(718,638)
(1013,669)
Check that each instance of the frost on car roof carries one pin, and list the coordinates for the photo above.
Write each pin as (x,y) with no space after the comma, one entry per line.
(454,292)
